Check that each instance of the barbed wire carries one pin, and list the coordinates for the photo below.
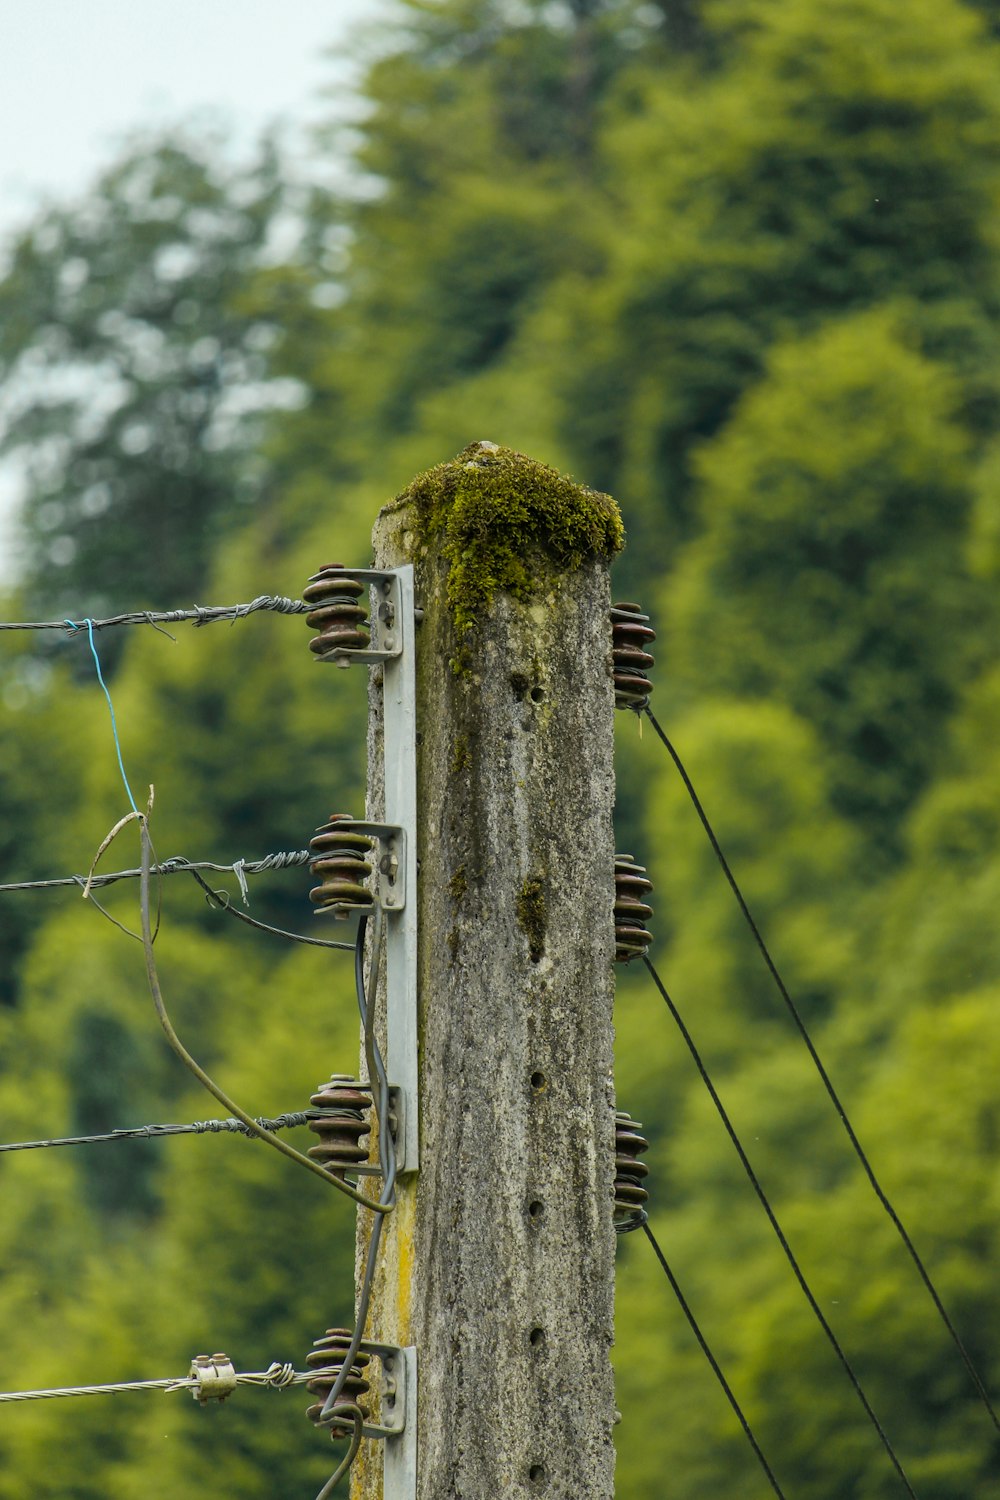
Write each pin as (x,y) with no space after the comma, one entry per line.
(199,614)
(197,1127)
(826,1080)
(176,865)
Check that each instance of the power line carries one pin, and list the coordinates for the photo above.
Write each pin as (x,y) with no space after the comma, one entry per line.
(716,1367)
(200,614)
(779,1232)
(827,1081)
(197,1127)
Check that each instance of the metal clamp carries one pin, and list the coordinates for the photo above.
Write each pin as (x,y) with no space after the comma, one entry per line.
(333,595)
(215,1375)
(391,865)
(387,621)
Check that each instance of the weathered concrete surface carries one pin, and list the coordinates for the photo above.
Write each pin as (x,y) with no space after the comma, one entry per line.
(499,1260)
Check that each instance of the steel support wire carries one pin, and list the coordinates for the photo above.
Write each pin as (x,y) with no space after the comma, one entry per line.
(827,1082)
(387,1162)
(199,1072)
(716,1367)
(779,1232)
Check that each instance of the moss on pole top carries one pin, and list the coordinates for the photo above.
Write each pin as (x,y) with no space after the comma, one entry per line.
(507,522)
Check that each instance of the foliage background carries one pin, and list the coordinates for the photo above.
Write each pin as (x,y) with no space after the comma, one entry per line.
(736,263)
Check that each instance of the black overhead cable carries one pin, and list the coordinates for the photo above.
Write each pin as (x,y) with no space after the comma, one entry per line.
(789,1254)
(826,1080)
(716,1367)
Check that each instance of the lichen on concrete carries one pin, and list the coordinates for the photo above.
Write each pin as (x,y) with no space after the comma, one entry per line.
(531,917)
(507,523)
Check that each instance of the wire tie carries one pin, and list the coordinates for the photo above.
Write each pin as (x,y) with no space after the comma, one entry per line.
(239,870)
(72,625)
(111,709)
(279,1376)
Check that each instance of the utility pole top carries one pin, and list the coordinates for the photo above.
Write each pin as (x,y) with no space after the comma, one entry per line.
(498,1261)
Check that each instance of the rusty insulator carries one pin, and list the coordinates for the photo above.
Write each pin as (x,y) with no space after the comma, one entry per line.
(631,635)
(340,863)
(326,1362)
(346,1106)
(336,613)
(632,936)
(630,1195)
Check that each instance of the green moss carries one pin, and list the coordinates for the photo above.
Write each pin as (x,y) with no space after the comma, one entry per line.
(460,756)
(531,917)
(458,885)
(508,523)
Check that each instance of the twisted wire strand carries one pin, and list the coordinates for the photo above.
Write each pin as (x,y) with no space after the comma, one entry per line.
(827,1082)
(200,614)
(177,865)
(779,1232)
(276,1377)
(140,1132)
(716,1367)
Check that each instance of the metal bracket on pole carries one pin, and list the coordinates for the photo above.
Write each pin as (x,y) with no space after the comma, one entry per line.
(399,693)
(399,1473)
(393,617)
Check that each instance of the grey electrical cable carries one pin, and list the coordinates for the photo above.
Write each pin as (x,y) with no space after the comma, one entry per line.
(387,1162)
(198,1071)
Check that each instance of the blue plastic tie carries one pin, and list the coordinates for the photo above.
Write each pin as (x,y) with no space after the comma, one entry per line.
(111,709)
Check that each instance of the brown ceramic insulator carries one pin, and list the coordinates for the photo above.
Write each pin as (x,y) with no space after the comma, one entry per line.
(630,1195)
(346,1105)
(340,863)
(631,635)
(326,1362)
(632,936)
(336,612)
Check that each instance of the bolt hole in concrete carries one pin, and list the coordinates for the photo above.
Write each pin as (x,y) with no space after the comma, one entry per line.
(537,695)
(536,1473)
(536,1338)
(539,1082)
(536,1209)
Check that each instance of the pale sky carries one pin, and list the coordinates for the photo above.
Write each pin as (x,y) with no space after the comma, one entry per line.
(75,75)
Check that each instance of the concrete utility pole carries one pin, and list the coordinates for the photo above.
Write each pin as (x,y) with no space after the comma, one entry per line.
(498,1262)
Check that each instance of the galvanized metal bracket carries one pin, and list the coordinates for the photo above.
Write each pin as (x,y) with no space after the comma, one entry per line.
(391,623)
(393,617)
(399,1473)
(391,867)
(399,697)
